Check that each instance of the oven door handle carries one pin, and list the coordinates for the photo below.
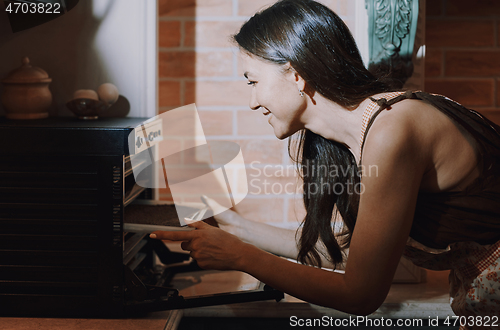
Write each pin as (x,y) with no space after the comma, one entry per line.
(179,302)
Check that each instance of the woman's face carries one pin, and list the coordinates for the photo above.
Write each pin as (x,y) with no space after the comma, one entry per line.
(275,91)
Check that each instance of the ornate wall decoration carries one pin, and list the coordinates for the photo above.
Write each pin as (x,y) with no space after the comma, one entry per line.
(392,29)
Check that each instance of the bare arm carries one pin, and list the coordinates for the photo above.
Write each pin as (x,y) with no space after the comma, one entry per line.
(384,220)
(279,241)
(383,225)
(276,240)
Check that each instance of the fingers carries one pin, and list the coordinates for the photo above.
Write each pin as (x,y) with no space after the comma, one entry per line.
(189,246)
(186,246)
(172,235)
(179,235)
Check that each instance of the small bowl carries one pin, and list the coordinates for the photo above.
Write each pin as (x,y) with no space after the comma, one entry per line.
(87,109)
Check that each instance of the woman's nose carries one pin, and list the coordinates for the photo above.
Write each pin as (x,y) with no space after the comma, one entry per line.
(254,105)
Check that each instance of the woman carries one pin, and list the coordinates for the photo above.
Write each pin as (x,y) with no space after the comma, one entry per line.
(435,193)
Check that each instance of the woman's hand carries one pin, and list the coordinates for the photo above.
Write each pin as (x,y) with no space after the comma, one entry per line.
(279,241)
(210,246)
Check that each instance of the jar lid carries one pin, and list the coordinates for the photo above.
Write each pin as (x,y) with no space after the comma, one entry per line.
(27,74)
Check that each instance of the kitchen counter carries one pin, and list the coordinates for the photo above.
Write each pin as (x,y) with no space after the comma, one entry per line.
(167,320)
(424,300)
(408,301)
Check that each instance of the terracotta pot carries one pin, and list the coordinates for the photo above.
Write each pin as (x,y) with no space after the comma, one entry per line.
(26,93)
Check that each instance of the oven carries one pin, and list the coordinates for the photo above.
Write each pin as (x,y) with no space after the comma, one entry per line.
(65,187)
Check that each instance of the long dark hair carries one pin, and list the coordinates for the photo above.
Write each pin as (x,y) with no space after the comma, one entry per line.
(320,48)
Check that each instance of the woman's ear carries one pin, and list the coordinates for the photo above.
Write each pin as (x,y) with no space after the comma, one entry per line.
(295,77)
(301,83)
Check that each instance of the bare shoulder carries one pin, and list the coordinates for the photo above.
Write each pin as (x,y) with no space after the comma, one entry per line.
(409,117)
(423,133)
(405,129)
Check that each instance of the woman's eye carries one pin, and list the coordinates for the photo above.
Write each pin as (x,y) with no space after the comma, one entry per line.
(251,83)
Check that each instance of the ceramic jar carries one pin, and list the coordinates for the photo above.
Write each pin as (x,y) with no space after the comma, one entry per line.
(26,93)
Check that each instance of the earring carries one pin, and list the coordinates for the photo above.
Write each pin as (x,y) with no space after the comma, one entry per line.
(301,93)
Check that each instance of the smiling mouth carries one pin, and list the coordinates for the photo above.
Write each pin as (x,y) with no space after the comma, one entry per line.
(266,113)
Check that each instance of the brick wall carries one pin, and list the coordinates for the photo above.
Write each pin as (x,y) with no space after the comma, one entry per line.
(198,64)
(463,53)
